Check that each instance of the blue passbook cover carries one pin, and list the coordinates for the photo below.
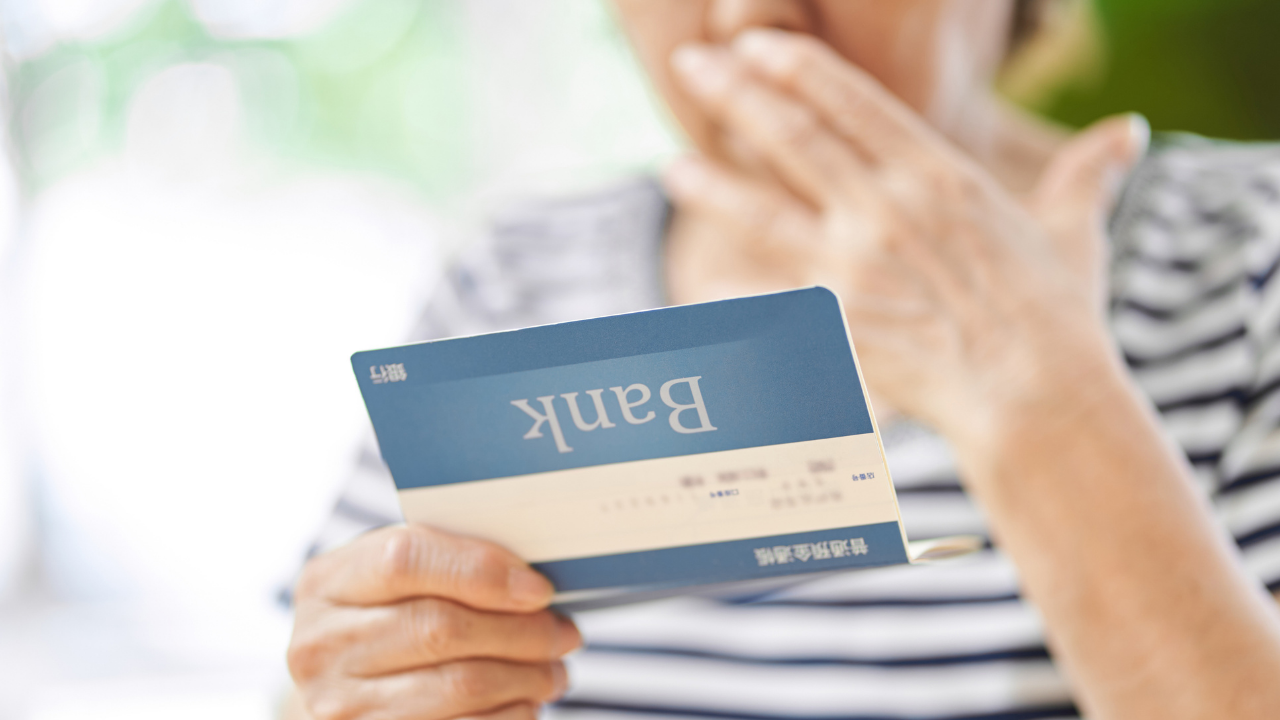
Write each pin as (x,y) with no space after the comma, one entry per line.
(688,445)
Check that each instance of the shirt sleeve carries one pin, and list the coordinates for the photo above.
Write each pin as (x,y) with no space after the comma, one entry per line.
(1196,312)
(1248,494)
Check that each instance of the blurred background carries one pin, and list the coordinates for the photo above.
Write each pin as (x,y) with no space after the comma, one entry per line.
(207,205)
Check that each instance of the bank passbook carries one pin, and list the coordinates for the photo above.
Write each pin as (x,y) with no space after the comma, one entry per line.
(632,454)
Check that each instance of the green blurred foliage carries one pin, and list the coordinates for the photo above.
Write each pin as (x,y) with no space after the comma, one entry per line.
(389,86)
(379,88)
(386,89)
(1204,66)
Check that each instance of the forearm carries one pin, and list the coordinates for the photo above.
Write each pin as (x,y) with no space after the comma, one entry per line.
(1146,605)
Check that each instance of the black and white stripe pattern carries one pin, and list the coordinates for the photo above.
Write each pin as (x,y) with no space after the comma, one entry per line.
(1195,311)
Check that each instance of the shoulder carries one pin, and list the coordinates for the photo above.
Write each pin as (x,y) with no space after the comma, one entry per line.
(1195,245)
(1196,311)
(1197,230)
(1193,199)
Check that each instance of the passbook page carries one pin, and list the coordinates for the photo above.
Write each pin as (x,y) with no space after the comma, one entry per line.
(682,446)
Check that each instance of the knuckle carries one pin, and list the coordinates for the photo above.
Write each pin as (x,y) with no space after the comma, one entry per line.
(411,553)
(402,555)
(309,656)
(860,278)
(941,183)
(435,629)
(890,240)
(756,217)
(546,685)
(953,186)
(484,566)
(796,57)
(797,126)
(787,228)
(729,200)
(466,681)
(968,189)
(487,558)
(551,631)
(807,52)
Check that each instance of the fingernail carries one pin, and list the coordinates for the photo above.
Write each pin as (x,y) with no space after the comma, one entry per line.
(766,49)
(560,679)
(701,69)
(684,177)
(1139,134)
(568,637)
(527,587)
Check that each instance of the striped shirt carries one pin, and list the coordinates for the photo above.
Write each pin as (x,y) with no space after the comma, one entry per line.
(1194,308)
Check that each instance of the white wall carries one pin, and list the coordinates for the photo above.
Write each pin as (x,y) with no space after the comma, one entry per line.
(185,317)
(15,507)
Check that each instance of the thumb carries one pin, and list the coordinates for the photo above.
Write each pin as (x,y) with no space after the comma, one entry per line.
(1076,192)
(1078,188)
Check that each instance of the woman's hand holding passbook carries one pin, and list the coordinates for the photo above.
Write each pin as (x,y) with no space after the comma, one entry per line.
(414,622)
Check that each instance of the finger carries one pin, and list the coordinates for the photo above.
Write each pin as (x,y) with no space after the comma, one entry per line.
(1075,195)
(1080,184)
(469,687)
(763,215)
(424,632)
(398,563)
(845,96)
(808,155)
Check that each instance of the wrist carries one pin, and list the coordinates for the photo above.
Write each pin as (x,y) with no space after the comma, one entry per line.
(1038,400)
